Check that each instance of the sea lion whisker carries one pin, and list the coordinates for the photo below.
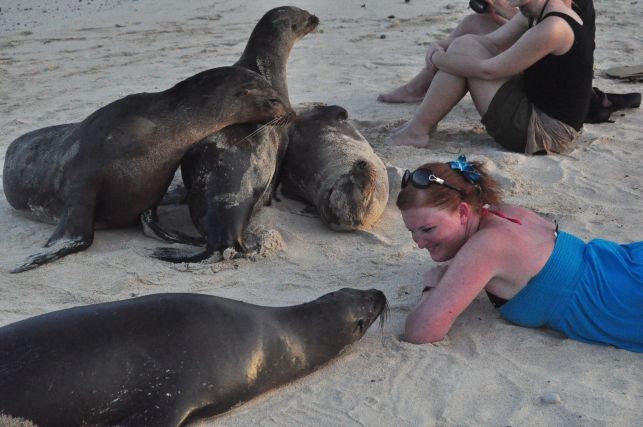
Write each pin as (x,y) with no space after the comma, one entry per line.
(384,315)
(260,129)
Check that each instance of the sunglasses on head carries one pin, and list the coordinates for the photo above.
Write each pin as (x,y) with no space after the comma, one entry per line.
(422,178)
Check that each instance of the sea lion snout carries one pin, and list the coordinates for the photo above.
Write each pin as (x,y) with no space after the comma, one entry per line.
(313,21)
(365,305)
(289,116)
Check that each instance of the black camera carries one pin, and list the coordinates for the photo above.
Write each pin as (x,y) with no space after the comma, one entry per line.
(479,6)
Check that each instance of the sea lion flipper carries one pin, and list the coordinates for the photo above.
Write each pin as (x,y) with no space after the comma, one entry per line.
(59,249)
(73,234)
(179,255)
(152,228)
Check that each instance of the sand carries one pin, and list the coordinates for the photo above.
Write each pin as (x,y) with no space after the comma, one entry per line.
(62,61)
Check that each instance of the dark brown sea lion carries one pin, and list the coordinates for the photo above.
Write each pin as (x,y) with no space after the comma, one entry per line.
(330,165)
(165,359)
(118,162)
(231,173)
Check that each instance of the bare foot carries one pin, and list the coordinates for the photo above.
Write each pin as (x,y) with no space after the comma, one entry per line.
(407,137)
(402,127)
(402,94)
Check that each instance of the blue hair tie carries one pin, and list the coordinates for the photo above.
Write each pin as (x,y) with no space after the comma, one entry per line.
(467,169)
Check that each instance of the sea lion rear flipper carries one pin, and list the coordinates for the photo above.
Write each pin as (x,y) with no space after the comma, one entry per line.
(74,233)
(178,255)
(152,228)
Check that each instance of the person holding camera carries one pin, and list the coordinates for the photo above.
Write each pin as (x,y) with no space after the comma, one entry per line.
(488,17)
(534,273)
(530,80)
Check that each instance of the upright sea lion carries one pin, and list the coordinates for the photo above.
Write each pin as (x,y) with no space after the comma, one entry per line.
(332,166)
(165,359)
(231,173)
(118,162)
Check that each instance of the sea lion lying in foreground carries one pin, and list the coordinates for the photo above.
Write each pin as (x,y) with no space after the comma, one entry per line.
(166,359)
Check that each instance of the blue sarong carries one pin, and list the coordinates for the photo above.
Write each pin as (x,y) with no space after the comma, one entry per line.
(591,292)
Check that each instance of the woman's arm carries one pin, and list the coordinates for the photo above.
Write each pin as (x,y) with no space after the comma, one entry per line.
(501,9)
(553,35)
(477,262)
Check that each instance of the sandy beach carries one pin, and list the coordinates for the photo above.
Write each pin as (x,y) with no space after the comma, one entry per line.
(61,61)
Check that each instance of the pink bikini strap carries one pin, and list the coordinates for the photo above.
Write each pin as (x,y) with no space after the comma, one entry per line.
(486,209)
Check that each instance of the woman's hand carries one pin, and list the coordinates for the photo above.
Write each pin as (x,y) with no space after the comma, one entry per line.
(502,10)
(434,275)
(434,47)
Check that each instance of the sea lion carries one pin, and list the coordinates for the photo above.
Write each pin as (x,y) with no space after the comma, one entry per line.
(231,174)
(166,359)
(331,165)
(118,162)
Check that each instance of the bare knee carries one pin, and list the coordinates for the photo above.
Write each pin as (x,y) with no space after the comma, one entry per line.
(470,44)
(475,24)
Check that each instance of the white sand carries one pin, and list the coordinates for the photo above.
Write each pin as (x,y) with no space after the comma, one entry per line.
(60,62)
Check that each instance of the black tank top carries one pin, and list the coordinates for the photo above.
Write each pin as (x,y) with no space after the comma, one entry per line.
(560,86)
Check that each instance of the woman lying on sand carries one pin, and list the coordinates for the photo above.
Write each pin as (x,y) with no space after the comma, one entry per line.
(536,274)
(530,80)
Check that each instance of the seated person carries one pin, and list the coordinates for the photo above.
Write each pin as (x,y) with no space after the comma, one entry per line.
(537,275)
(532,96)
(498,12)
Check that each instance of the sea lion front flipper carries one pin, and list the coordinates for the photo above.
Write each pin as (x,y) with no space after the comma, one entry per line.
(152,228)
(74,233)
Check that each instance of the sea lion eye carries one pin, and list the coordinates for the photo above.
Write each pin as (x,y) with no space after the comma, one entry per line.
(294,27)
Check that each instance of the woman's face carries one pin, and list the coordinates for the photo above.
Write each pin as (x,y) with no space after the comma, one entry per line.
(439,231)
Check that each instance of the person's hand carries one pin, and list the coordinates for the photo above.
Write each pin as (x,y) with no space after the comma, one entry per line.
(429,53)
(501,11)
(434,275)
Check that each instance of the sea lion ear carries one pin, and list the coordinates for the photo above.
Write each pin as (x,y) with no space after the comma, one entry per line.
(340,113)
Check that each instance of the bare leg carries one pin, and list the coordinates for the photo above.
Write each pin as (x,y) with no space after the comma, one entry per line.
(415,89)
(412,91)
(445,92)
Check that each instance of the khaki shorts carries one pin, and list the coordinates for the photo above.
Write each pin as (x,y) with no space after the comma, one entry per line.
(507,119)
(516,124)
